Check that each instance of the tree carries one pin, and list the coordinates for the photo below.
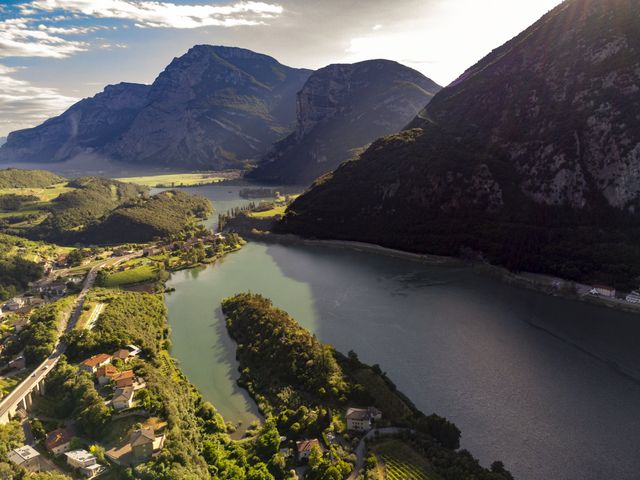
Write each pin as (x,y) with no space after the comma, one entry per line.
(498,467)
(76,443)
(38,429)
(259,472)
(277,465)
(332,473)
(11,436)
(315,458)
(268,441)
(98,451)
(445,432)
(75,257)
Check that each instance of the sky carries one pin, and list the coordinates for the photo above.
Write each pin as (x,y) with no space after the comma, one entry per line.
(56,52)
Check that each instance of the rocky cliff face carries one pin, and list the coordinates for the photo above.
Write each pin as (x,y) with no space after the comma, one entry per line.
(211,108)
(341,109)
(87,126)
(531,158)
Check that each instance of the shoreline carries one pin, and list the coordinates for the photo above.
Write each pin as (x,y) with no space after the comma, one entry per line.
(547,284)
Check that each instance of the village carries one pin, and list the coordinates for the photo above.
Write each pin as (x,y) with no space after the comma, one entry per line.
(62,449)
(124,267)
(68,282)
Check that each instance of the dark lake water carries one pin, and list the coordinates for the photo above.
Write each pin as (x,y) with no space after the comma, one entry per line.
(549,386)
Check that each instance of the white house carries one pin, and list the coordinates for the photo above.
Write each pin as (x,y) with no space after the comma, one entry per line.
(26,457)
(84,461)
(361,419)
(134,351)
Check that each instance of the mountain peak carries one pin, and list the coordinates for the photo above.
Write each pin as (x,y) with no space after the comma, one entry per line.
(527,158)
(213,107)
(340,109)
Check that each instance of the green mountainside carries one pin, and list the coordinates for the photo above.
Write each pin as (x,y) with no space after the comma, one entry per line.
(529,160)
(161,215)
(94,210)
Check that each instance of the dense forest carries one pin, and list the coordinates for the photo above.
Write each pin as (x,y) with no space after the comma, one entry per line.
(304,387)
(91,199)
(39,336)
(13,202)
(164,214)
(130,318)
(599,245)
(16,273)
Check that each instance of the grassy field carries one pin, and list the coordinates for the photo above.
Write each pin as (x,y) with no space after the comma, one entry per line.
(176,180)
(35,209)
(12,246)
(277,210)
(398,461)
(44,194)
(139,274)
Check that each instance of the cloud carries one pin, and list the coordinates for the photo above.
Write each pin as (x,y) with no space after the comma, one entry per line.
(23,104)
(164,14)
(18,38)
(33,35)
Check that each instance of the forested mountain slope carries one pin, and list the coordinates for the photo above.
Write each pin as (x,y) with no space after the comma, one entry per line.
(530,159)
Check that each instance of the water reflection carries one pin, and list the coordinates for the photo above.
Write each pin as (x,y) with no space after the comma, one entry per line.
(533,380)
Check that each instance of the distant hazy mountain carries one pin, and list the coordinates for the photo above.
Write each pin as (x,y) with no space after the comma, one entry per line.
(531,158)
(211,108)
(341,109)
(3,140)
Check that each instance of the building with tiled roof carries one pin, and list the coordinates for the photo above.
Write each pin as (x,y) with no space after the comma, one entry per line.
(106,373)
(142,443)
(124,379)
(122,355)
(122,398)
(304,447)
(59,441)
(92,364)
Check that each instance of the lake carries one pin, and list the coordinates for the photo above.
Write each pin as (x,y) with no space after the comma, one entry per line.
(547,385)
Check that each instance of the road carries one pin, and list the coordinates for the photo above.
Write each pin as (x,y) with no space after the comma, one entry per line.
(27,385)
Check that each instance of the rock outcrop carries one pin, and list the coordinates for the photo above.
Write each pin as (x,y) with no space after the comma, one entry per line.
(214,107)
(340,110)
(89,125)
(530,159)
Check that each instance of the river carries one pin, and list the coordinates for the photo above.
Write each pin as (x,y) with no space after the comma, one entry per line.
(545,384)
